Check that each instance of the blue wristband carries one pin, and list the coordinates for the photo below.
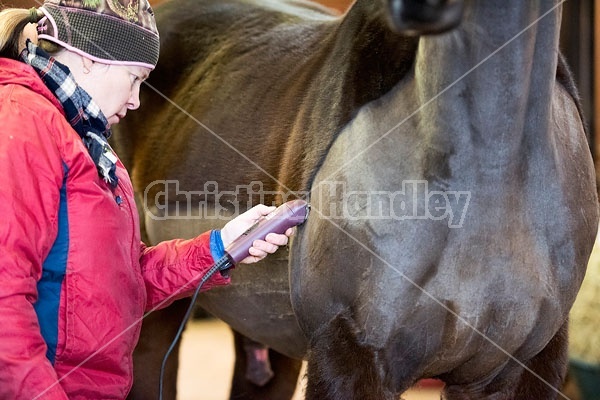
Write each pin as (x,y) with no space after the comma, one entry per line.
(217,250)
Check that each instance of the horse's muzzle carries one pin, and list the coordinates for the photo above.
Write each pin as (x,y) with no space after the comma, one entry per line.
(422,17)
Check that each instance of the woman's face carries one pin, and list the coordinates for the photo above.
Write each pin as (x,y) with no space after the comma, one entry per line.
(115,88)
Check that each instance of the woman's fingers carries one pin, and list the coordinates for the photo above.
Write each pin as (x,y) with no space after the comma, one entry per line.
(261,248)
(276,239)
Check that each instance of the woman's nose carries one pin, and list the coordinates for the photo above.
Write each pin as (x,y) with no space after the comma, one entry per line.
(134,100)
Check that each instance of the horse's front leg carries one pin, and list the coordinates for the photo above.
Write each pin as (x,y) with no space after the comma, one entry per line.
(341,367)
(540,377)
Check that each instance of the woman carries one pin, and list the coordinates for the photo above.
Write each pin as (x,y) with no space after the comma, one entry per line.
(75,278)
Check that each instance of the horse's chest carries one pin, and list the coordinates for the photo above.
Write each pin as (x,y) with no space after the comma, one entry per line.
(415,224)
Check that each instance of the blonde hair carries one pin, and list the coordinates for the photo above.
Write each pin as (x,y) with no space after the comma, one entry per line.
(13,24)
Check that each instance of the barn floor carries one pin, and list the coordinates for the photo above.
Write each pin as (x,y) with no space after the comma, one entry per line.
(208,379)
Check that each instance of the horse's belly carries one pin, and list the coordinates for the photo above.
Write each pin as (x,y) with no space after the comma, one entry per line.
(257,305)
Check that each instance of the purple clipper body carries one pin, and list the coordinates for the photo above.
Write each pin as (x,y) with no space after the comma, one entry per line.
(287,215)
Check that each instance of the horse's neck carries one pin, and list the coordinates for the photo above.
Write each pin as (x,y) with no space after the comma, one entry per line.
(492,95)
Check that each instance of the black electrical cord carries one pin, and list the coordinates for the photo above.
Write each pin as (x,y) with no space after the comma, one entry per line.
(222,264)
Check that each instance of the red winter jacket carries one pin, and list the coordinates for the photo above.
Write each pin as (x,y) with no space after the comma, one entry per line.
(75,278)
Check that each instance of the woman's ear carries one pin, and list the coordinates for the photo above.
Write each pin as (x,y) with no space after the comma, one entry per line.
(29,32)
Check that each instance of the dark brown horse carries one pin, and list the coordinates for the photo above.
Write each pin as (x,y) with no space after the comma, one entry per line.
(452,189)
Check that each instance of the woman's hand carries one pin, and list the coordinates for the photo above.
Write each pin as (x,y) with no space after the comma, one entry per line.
(260,248)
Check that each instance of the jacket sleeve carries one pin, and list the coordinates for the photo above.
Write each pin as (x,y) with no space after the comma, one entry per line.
(172,269)
(31,174)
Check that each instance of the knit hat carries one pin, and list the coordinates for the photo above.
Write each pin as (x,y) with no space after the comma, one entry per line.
(121,32)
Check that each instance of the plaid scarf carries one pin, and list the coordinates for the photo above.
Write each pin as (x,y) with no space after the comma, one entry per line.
(82,112)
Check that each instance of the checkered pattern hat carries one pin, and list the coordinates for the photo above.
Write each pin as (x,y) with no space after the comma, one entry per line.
(121,32)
